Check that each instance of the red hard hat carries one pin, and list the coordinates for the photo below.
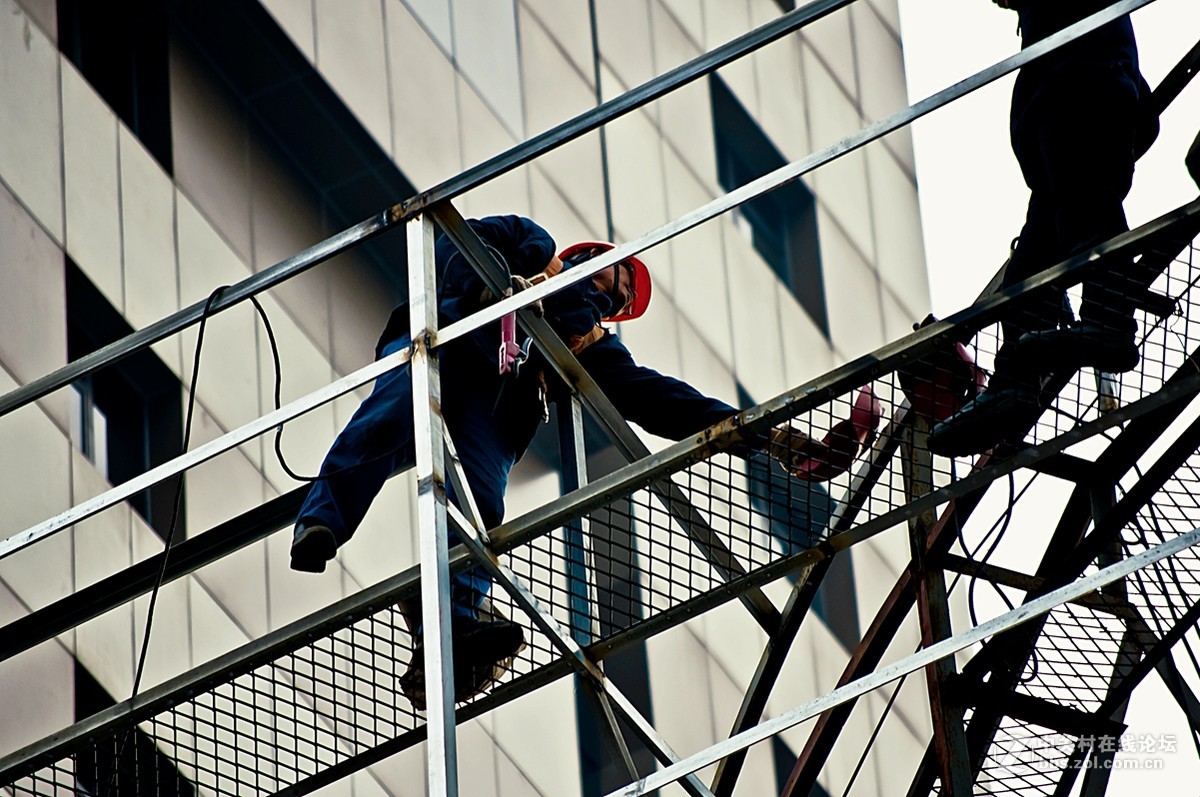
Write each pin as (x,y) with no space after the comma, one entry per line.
(641,278)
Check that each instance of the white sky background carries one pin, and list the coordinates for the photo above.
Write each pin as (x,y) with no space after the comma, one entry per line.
(973,203)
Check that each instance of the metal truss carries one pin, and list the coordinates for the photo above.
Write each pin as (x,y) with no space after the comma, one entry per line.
(707,521)
(340,713)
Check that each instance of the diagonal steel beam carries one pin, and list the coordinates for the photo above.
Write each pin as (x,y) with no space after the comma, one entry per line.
(933,615)
(1011,619)
(770,664)
(562,639)
(602,409)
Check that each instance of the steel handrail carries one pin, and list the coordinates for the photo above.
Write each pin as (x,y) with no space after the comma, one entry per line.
(397,214)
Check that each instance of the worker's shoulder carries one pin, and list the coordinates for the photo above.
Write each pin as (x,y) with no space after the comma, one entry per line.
(510,223)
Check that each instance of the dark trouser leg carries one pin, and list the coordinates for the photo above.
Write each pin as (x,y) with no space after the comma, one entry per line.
(1087,144)
(1075,143)
(1037,248)
(487,457)
(376,442)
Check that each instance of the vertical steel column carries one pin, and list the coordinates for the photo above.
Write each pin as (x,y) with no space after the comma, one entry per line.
(441,753)
(585,623)
(584,600)
(934,613)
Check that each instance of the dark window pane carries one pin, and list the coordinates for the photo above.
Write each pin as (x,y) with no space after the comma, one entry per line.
(783,223)
(121,48)
(130,764)
(136,405)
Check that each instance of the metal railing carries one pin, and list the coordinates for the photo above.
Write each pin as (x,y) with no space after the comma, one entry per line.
(320,698)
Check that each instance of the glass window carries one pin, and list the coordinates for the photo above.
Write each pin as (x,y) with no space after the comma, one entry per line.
(126,418)
(782,224)
(121,48)
(132,766)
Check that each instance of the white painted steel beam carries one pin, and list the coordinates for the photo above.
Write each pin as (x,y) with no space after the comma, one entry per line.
(923,658)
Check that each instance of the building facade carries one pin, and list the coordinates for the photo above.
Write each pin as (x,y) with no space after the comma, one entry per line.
(152,153)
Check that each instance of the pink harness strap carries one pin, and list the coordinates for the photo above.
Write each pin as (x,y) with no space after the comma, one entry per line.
(510,352)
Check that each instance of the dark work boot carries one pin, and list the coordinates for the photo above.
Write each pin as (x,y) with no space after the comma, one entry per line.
(485,641)
(313,545)
(479,646)
(1110,346)
(999,414)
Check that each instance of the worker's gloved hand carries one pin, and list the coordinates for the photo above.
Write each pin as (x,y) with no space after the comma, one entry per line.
(790,447)
(519,284)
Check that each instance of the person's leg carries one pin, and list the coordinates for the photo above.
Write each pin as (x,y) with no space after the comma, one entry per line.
(1077,160)
(376,442)
(487,457)
(1093,153)
(1091,147)
(481,646)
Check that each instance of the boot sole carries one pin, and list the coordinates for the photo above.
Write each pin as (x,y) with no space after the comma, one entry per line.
(312,549)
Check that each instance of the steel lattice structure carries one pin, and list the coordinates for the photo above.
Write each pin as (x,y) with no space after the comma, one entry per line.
(699,524)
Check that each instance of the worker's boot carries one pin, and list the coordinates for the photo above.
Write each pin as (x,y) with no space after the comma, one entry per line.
(1005,411)
(313,545)
(997,415)
(480,646)
(1108,344)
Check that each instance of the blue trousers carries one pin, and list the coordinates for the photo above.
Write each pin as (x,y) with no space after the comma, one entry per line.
(378,441)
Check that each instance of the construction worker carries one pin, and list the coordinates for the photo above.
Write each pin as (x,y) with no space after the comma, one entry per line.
(1077,127)
(491,417)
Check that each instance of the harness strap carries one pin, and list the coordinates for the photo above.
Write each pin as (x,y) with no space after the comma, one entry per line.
(578,343)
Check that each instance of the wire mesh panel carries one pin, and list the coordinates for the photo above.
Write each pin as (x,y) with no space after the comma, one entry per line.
(1024,759)
(699,524)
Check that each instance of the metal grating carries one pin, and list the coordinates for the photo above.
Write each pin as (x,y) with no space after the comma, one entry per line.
(697,530)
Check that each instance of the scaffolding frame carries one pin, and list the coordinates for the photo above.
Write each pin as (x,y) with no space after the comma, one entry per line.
(923,582)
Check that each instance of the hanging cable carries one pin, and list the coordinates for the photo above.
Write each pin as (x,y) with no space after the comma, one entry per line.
(874,734)
(177,505)
(262,314)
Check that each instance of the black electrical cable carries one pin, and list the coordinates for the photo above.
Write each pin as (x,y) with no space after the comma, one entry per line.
(177,505)
(278,403)
(874,734)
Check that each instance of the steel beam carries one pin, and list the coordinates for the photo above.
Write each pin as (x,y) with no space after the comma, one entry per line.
(441,759)
(923,658)
(710,545)
(933,613)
